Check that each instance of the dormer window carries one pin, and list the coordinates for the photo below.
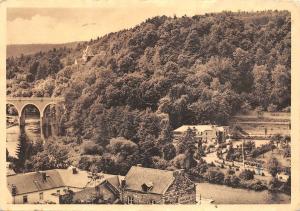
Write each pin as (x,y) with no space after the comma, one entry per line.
(147,186)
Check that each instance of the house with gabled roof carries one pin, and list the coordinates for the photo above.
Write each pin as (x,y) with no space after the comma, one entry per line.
(47,186)
(107,192)
(87,54)
(207,133)
(154,186)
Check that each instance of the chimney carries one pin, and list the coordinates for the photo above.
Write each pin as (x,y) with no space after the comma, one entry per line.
(44,176)
(74,170)
(123,183)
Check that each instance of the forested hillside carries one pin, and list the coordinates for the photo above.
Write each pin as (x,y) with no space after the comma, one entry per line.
(165,72)
(16,50)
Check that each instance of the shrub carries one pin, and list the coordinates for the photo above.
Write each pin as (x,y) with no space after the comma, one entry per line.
(235,181)
(274,184)
(257,186)
(91,148)
(198,170)
(86,161)
(247,175)
(232,181)
(230,171)
(178,161)
(272,108)
(215,176)
(159,163)
(287,109)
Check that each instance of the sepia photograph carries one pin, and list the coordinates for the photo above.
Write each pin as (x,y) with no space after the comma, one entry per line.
(126,105)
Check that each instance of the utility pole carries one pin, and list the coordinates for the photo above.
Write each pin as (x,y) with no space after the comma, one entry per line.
(243,153)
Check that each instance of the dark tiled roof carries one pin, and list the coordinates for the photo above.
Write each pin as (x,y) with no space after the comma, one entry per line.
(33,182)
(115,182)
(137,176)
(87,193)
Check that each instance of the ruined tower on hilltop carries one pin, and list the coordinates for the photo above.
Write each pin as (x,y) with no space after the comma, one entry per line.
(87,54)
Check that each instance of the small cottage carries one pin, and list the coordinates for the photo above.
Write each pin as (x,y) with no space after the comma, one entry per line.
(48,186)
(210,134)
(154,186)
(87,54)
(107,192)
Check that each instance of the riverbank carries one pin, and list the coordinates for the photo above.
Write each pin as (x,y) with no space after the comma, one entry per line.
(238,195)
(231,179)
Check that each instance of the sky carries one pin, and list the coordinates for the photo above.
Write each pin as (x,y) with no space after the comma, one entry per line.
(61,24)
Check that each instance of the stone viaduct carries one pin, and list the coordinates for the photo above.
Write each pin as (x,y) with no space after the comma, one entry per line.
(41,103)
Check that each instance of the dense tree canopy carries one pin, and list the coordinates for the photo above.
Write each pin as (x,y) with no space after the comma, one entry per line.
(145,81)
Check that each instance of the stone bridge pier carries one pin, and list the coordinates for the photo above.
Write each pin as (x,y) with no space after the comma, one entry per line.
(41,103)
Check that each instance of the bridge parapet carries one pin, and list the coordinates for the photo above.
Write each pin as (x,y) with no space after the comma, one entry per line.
(40,99)
(40,102)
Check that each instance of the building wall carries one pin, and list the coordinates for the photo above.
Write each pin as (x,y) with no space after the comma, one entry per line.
(35,196)
(142,198)
(107,194)
(48,195)
(208,135)
(182,191)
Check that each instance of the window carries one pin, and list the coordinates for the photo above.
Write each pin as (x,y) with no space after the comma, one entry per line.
(25,199)
(130,200)
(41,196)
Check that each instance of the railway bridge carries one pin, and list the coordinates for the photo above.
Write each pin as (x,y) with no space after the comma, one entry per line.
(41,103)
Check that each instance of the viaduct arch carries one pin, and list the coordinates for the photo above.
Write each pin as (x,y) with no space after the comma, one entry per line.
(41,103)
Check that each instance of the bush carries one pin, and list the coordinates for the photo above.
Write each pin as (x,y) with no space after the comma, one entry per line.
(86,161)
(232,181)
(257,186)
(91,148)
(198,170)
(287,109)
(235,181)
(178,161)
(230,171)
(159,163)
(214,176)
(272,108)
(274,184)
(247,175)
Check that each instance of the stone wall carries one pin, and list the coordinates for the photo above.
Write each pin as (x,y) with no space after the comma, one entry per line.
(141,198)
(182,191)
